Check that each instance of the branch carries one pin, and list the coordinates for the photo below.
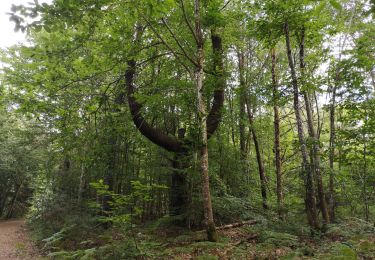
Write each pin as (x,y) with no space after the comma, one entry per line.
(225,5)
(150,45)
(154,134)
(235,225)
(167,45)
(187,21)
(154,57)
(238,224)
(214,116)
(178,43)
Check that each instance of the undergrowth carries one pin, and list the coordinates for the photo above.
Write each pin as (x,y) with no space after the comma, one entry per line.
(69,232)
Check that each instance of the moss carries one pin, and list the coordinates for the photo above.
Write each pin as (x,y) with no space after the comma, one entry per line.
(278,239)
(212,234)
(342,251)
(291,256)
(306,251)
(209,245)
(207,257)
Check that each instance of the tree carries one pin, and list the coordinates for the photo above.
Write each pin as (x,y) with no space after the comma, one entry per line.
(277,148)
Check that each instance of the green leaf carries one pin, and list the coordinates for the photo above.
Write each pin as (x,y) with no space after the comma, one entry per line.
(335,4)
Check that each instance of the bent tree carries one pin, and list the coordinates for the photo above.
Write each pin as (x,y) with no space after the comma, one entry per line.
(128,93)
(181,146)
(112,50)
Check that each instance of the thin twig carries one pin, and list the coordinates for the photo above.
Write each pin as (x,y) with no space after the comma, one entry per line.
(167,45)
(178,43)
(225,5)
(154,57)
(187,21)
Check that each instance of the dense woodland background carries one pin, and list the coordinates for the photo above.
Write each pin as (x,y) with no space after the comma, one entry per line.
(129,126)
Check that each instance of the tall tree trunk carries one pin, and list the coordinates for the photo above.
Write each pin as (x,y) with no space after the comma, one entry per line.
(313,135)
(244,101)
(332,141)
(244,137)
(202,116)
(242,90)
(364,181)
(310,200)
(232,117)
(332,136)
(3,199)
(277,147)
(109,173)
(82,177)
(262,176)
(14,199)
(81,186)
(365,166)
(179,188)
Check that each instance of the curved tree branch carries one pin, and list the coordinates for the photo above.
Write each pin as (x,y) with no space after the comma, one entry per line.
(214,116)
(156,135)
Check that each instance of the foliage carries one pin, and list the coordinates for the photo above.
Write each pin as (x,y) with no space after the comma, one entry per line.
(67,121)
(125,208)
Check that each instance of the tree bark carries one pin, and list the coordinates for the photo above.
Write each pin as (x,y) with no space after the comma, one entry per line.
(277,147)
(310,200)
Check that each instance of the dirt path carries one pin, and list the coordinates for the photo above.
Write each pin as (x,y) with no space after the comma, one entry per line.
(14,244)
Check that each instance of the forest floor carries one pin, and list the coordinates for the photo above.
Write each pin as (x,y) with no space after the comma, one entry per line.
(14,242)
(349,239)
(352,239)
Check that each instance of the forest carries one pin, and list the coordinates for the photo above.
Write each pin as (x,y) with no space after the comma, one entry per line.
(191,129)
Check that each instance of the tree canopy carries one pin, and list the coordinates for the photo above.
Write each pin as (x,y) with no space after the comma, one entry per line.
(189,114)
